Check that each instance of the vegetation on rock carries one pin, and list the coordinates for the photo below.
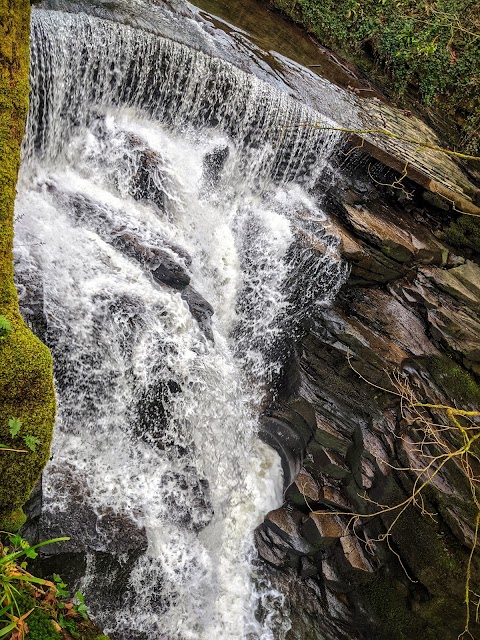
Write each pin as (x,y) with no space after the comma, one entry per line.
(433,435)
(432,46)
(464,232)
(26,378)
(35,608)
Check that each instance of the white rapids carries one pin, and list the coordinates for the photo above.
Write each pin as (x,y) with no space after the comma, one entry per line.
(141,151)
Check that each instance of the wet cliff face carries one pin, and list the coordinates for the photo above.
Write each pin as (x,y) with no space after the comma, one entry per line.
(409,306)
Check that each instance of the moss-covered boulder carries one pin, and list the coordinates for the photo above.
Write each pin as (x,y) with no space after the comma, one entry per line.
(26,378)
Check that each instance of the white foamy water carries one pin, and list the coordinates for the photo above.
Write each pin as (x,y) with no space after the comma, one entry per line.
(138,166)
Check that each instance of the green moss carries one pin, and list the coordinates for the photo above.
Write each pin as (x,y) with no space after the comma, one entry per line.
(396,252)
(427,604)
(386,600)
(26,378)
(88,630)
(13,521)
(457,383)
(464,232)
(39,624)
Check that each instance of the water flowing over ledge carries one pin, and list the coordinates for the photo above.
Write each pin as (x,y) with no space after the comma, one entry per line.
(165,224)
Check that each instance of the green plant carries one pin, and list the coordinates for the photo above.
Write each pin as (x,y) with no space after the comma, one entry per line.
(5,327)
(67,623)
(60,586)
(32,442)
(14,426)
(81,607)
(13,578)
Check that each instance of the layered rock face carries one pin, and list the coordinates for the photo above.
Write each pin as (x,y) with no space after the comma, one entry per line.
(407,315)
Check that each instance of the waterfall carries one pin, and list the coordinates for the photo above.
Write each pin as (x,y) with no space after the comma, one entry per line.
(165,217)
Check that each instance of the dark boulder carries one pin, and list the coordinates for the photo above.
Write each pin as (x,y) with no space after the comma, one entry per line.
(200,309)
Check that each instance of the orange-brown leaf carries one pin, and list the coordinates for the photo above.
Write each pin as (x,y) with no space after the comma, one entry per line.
(453,55)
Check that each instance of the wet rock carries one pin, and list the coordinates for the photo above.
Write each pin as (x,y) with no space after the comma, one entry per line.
(463,289)
(214,162)
(395,234)
(392,320)
(200,309)
(449,308)
(469,276)
(331,574)
(329,437)
(304,491)
(312,611)
(267,550)
(295,420)
(149,182)
(171,273)
(287,442)
(308,568)
(354,554)
(287,525)
(324,529)
(358,337)
(334,498)
(457,519)
(367,473)
(304,409)
(29,285)
(350,247)
(33,511)
(165,268)
(112,538)
(325,461)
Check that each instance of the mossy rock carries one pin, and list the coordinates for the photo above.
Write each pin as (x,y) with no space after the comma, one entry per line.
(88,630)
(14,521)
(27,394)
(458,384)
(26,376)
(423,597)
(40,626)
(464,233)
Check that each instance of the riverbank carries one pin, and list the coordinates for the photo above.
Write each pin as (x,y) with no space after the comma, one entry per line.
(425,54)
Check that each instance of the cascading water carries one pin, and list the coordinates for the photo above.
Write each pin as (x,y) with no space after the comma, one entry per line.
(161,197)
